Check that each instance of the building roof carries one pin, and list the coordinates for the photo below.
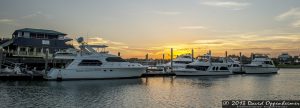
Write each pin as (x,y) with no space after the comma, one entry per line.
(32,30)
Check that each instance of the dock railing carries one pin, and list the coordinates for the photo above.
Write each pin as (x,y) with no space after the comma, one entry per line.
(30,54)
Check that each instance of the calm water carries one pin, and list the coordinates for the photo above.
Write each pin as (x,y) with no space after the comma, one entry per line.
(154,92)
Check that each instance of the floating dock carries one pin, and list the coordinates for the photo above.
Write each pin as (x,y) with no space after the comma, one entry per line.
(20,77)
(158,74)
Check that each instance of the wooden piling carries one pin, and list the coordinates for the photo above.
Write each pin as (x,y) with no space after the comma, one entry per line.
(163,59)
(241,62)
(192,55)
(209,52)
(1,58)
(171,59)
(46,61)
(226,57)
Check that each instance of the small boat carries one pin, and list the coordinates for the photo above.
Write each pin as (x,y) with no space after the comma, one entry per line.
(260,64)
(7,70)
(16,69)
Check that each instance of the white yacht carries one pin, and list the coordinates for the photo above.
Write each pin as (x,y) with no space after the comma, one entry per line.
(235,66)
(178,63)
(90,64)
(204,67)
(260,64)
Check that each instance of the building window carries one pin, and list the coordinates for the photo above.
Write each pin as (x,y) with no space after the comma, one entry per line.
(90,63)
(40,36)
(38,49)
(32,35)
(22,49)
(52,36)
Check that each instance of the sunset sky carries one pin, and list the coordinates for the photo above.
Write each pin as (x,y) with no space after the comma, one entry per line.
(137,27)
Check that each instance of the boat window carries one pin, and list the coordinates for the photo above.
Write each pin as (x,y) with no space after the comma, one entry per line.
(217,68)
(268,62)
(202,68)
(214,68)
(115,59)
(235,65)
(182,62)
(271,63)
(223,68)
(186,57)
(90,63)
(62,54)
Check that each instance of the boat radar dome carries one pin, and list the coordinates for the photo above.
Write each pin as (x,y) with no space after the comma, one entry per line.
(80,39)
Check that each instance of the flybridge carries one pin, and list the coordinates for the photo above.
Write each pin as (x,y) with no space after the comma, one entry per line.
(90,48)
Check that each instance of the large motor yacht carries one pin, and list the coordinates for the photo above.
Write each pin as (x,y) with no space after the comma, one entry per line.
(91,64)
(260,64)
(204,66)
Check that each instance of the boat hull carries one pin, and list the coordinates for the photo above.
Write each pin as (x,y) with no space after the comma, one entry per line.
(105,73)
(260,70)
(237,70)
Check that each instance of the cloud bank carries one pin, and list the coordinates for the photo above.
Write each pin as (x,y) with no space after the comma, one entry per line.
(227,4)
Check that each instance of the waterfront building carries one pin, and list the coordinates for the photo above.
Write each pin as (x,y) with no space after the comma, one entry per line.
(29,42)
(31,46)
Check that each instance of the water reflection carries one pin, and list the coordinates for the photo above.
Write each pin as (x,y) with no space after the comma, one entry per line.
(198,91)
(199,81)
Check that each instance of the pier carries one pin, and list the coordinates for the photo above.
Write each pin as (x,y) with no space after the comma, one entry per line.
(21,77)
(158,74)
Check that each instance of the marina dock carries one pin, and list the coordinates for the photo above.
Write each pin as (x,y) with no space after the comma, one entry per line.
(39,77)
(21,77)
(158,74)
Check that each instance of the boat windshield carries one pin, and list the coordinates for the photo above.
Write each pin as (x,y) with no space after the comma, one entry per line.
(268,62)
(186,56)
